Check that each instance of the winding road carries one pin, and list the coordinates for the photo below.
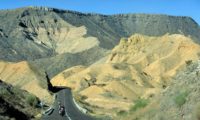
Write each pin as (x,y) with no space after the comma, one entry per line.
(71,111)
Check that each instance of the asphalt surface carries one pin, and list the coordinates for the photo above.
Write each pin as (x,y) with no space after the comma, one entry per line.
(71,111)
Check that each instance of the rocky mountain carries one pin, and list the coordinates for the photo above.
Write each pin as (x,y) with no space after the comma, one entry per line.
(84,51)
(48,26)
(139,67)
(110,28)
(36,32)
(17,104)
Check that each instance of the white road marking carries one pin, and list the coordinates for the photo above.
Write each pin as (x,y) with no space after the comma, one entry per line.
(66,107)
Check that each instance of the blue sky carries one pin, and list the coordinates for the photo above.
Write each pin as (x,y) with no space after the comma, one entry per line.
(172,7)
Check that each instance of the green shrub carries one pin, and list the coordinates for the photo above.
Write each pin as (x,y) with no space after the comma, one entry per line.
(180,98)
(32,100)
(140,103)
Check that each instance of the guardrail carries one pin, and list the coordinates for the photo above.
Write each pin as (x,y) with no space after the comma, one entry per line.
(79,107)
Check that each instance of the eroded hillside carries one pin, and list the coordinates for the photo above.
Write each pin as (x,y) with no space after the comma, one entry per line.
(139,67)
(25,77)
(52,32)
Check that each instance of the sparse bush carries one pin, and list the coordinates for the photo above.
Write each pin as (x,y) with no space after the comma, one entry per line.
(4,92)
(32,100)
(83,97)
(122,113)
(126,77)
(108,94)
(123,40)
(55,20)
(108,78)
(188,62)
(140,103)
(197,112)
(42,21)
(198,54)
(120,66)
(180,98)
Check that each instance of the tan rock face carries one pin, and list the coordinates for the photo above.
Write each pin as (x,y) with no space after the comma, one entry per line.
(157,57)
(140,66)
(23,76)
(61,36)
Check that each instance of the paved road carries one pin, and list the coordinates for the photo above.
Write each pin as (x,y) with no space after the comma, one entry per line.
(72,112)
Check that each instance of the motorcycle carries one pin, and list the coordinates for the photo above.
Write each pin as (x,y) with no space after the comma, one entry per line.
(62,111)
